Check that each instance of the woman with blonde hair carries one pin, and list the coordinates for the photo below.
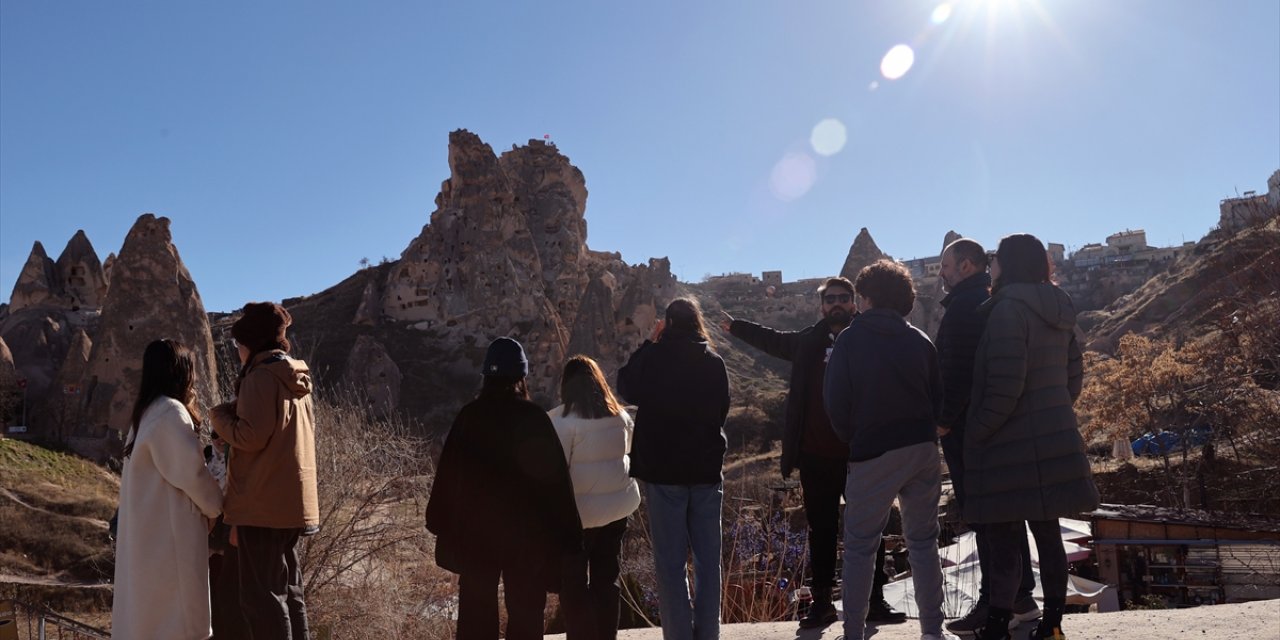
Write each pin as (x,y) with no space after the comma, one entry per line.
(681,390)
(167,499)
(595,433)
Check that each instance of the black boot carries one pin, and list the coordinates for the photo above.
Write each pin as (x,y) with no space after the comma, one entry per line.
(996,626)
(1050,625)
(821,612)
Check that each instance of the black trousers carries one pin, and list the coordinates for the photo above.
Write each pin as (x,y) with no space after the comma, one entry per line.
(224,596)
(271,583)
(1007,564)
(822,481)
(589,595)
(953,452)
(524,588)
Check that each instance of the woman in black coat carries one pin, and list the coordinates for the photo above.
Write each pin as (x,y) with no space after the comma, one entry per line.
(502,503)
(1024,458)
(681,391)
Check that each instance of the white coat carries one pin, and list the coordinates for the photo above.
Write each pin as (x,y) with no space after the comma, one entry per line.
(162,544)
(596,450)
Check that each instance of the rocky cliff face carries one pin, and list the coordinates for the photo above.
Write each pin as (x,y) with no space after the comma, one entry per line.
(505,253)
(151,296)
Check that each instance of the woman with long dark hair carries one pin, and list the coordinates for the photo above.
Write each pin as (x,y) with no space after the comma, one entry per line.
(595,433)
(1024,457)
(681,392)
(167,499)
(501,505)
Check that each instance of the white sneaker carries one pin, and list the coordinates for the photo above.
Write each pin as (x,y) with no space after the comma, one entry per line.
(945,635)
(1024,610)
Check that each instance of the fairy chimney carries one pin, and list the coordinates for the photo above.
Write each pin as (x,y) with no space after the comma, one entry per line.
(863,252)
(37,283)
(83,282)
(151,296)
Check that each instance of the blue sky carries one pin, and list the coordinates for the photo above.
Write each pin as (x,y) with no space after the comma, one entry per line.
(287,140)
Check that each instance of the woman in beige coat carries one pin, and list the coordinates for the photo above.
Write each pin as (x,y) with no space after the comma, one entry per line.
(595,433)
(167,499)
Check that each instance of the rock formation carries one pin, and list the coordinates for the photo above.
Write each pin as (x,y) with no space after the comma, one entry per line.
(151,296)
(6,359)
(552,195)
(371,371)
(863,252)
(37,283)
(505,253)
(76,281)
(83,282)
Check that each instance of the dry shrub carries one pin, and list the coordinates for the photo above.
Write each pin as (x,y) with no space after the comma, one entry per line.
(369,572)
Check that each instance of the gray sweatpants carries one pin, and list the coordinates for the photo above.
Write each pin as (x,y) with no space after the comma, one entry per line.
(910,474)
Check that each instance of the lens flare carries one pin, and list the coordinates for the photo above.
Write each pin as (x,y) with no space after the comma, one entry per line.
(793,176)
(897,62)
(875,84)
(828,137)
(941,13)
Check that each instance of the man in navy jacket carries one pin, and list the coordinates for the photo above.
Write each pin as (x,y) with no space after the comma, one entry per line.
(809,444)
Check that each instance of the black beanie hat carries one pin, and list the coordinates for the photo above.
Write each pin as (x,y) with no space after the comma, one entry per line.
(262,327)
(505,357)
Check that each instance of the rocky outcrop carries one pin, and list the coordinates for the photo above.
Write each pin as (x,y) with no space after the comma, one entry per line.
(38,340)
(371,371)
(552,196)
(83,282)
(505,253)
(6,359)
(37,283)
(151,296)
(76,281)
(863,252)
(1228,273)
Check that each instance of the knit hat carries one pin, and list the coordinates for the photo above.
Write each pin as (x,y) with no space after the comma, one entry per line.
(505,357)
(262,327)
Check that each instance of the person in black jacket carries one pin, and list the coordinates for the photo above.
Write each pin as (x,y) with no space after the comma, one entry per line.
(809,444)
(502,503)
(681,392)
(964,274)
(883,395)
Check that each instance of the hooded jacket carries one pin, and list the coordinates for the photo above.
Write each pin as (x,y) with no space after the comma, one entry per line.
(681,391)
(1024,458)
(883,390)
(596,450)
(271,475)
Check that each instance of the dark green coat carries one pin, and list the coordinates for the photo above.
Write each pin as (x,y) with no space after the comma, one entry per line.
(1024,458)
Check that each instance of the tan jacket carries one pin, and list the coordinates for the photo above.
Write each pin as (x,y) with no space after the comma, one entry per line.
(271,476)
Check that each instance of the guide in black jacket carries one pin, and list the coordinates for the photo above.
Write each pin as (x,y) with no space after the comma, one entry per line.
(810,445)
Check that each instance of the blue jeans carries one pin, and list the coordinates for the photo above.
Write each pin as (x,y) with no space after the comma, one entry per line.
(681,518)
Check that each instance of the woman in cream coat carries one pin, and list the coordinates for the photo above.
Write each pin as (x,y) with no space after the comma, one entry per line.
(167,499)
(595,433)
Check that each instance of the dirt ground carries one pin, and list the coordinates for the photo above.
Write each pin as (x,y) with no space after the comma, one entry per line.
(1248,621)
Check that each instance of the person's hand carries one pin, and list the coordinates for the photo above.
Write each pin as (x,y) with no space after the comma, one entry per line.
(726,321)
(942,431)
(234,539)
(657,330)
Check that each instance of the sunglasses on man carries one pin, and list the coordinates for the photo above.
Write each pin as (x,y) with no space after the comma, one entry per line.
(833,298)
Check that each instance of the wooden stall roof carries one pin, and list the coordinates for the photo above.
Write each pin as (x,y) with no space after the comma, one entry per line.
(1119,524)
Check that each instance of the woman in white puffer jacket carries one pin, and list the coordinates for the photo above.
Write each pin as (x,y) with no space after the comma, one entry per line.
(595,432)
